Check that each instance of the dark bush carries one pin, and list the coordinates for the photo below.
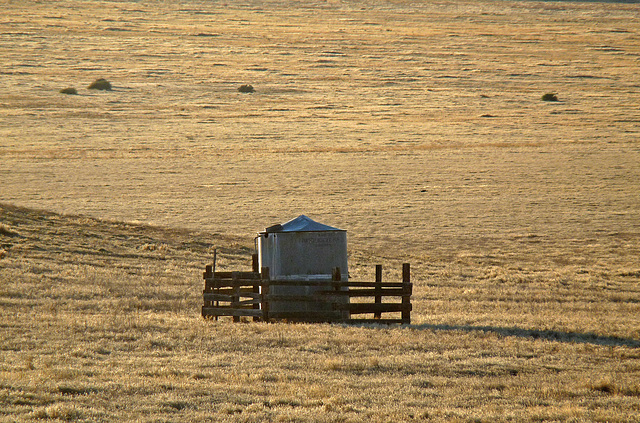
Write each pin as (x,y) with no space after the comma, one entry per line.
(72,91)
(246,88)
(550,97)
(100,84)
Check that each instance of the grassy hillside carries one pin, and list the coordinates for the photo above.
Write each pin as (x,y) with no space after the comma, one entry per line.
(100,321)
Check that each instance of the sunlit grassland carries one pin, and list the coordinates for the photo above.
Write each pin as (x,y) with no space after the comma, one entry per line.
(100,320)
(418,127)
(401,122)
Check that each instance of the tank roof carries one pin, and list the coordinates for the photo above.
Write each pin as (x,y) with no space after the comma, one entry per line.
(301,223)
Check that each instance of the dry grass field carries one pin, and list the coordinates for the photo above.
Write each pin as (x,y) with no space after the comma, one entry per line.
(416,126)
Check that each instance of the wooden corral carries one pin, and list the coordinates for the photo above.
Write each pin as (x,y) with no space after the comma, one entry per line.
(247,294)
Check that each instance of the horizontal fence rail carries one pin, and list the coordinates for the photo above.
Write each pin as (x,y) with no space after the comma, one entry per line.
(254,295)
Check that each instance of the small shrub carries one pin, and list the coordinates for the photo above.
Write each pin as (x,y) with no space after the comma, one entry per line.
(550,97)
(424,384)
(605,386)
(177,405)
(100,84)
(71,91)
(102,351)
(76,390)
(154,247)
(246,88)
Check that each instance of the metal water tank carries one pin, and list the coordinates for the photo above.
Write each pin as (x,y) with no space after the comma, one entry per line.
(303,249)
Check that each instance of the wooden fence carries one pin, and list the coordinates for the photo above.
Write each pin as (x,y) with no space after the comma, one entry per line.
(254,295)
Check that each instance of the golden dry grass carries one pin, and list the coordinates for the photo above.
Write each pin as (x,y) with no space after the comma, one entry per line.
(417,127)
(100,321)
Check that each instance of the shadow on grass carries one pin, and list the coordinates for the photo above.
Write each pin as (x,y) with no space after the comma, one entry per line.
(551,335)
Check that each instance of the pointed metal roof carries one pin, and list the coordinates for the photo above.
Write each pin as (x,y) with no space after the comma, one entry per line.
(301,223)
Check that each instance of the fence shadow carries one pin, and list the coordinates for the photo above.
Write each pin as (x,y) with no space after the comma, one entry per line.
(551,335)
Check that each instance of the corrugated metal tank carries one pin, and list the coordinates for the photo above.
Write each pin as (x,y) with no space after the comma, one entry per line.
(302,249)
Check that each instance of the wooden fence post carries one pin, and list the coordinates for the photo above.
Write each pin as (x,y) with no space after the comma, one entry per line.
(213,275)
(254,263)
(235,297)
(207,274)
(256,286)
(406,296)
(378,290)
(264,281)
(335,274)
